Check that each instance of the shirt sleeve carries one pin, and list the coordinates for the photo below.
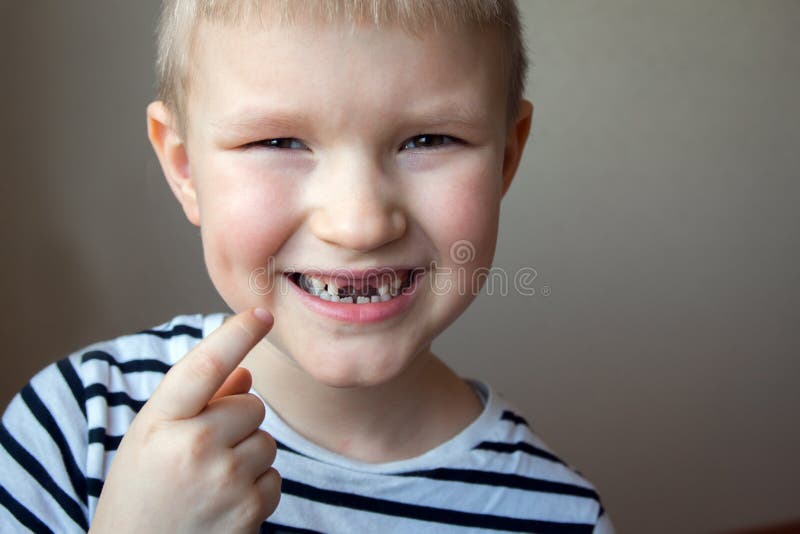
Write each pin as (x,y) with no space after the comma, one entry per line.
(603,525)
(43,434)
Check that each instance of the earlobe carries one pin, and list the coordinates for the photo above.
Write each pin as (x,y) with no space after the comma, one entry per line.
(171,152)
(515,142)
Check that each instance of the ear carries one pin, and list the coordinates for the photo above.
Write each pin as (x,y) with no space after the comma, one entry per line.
(515,142)
(171,152)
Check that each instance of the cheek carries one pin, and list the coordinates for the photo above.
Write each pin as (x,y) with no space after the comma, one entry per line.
(244,223)
(461,207)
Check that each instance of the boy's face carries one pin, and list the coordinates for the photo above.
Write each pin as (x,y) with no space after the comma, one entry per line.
(348,183)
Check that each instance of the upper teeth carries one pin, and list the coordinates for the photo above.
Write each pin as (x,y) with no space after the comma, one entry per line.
(333,287)
(329,290)
(316,282)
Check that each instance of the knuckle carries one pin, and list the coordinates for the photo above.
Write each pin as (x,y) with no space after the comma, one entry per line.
(246,330)
(156,415)
(269,445)
(275,477)
(273,492)
(230,472)
(200,440)
(206,365)
(143,427)
(147,430)
(253,509)
(263,498)
(257,405)
(268,439)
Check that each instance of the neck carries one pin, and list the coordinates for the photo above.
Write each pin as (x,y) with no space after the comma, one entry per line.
(420,409)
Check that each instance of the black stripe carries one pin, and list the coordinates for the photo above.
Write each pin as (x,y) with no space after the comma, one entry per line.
(38,472)
(520,446)
(275,528)
(22,514)
(94,486)
(177,330)
(133,366)
(489,478)
(74,383)
(98,435)
(45,418)
(508,415)
(283,447)
(427,513)
(116,398)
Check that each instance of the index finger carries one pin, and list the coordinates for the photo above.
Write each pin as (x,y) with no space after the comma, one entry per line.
(191,383)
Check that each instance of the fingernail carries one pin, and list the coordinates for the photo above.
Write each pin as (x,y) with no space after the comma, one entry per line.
(262,314)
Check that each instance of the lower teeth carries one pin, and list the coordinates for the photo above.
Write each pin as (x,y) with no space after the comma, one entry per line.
(359,299)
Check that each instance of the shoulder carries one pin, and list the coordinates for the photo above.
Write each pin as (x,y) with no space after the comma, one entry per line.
(127,363)
(125,370)
(165,342)
(537,482)
(119,371)
(149,352)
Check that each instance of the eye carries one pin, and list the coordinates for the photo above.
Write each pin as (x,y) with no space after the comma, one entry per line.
(428,141)
(280,142)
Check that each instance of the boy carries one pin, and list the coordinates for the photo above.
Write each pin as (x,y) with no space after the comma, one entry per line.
(331,153)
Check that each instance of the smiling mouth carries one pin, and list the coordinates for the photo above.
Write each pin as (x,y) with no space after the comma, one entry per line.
(369,287)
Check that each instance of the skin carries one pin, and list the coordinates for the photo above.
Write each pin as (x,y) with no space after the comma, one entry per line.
(353,186)
(193,459)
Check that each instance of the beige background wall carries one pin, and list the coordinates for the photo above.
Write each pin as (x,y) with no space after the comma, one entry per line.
(657,202)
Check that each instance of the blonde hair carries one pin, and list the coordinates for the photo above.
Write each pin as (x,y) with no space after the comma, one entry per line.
(180,18)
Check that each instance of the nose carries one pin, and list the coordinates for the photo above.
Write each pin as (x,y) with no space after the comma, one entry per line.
(355,206)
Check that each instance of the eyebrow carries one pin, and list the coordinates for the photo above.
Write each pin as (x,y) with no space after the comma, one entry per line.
(250,120)
(253,120)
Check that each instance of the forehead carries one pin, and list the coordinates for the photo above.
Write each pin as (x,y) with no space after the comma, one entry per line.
(337,69)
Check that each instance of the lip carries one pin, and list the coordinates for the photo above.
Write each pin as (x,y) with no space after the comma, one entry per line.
(358,277)
(371,312)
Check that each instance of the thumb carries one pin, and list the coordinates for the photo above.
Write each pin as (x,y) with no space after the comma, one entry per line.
(239,381)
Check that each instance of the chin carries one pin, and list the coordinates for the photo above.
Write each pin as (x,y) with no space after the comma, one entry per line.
(353,369)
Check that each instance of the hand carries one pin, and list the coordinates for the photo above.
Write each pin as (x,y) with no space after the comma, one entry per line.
(193,459)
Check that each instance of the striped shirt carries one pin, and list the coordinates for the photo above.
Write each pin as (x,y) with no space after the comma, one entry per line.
(60,433)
